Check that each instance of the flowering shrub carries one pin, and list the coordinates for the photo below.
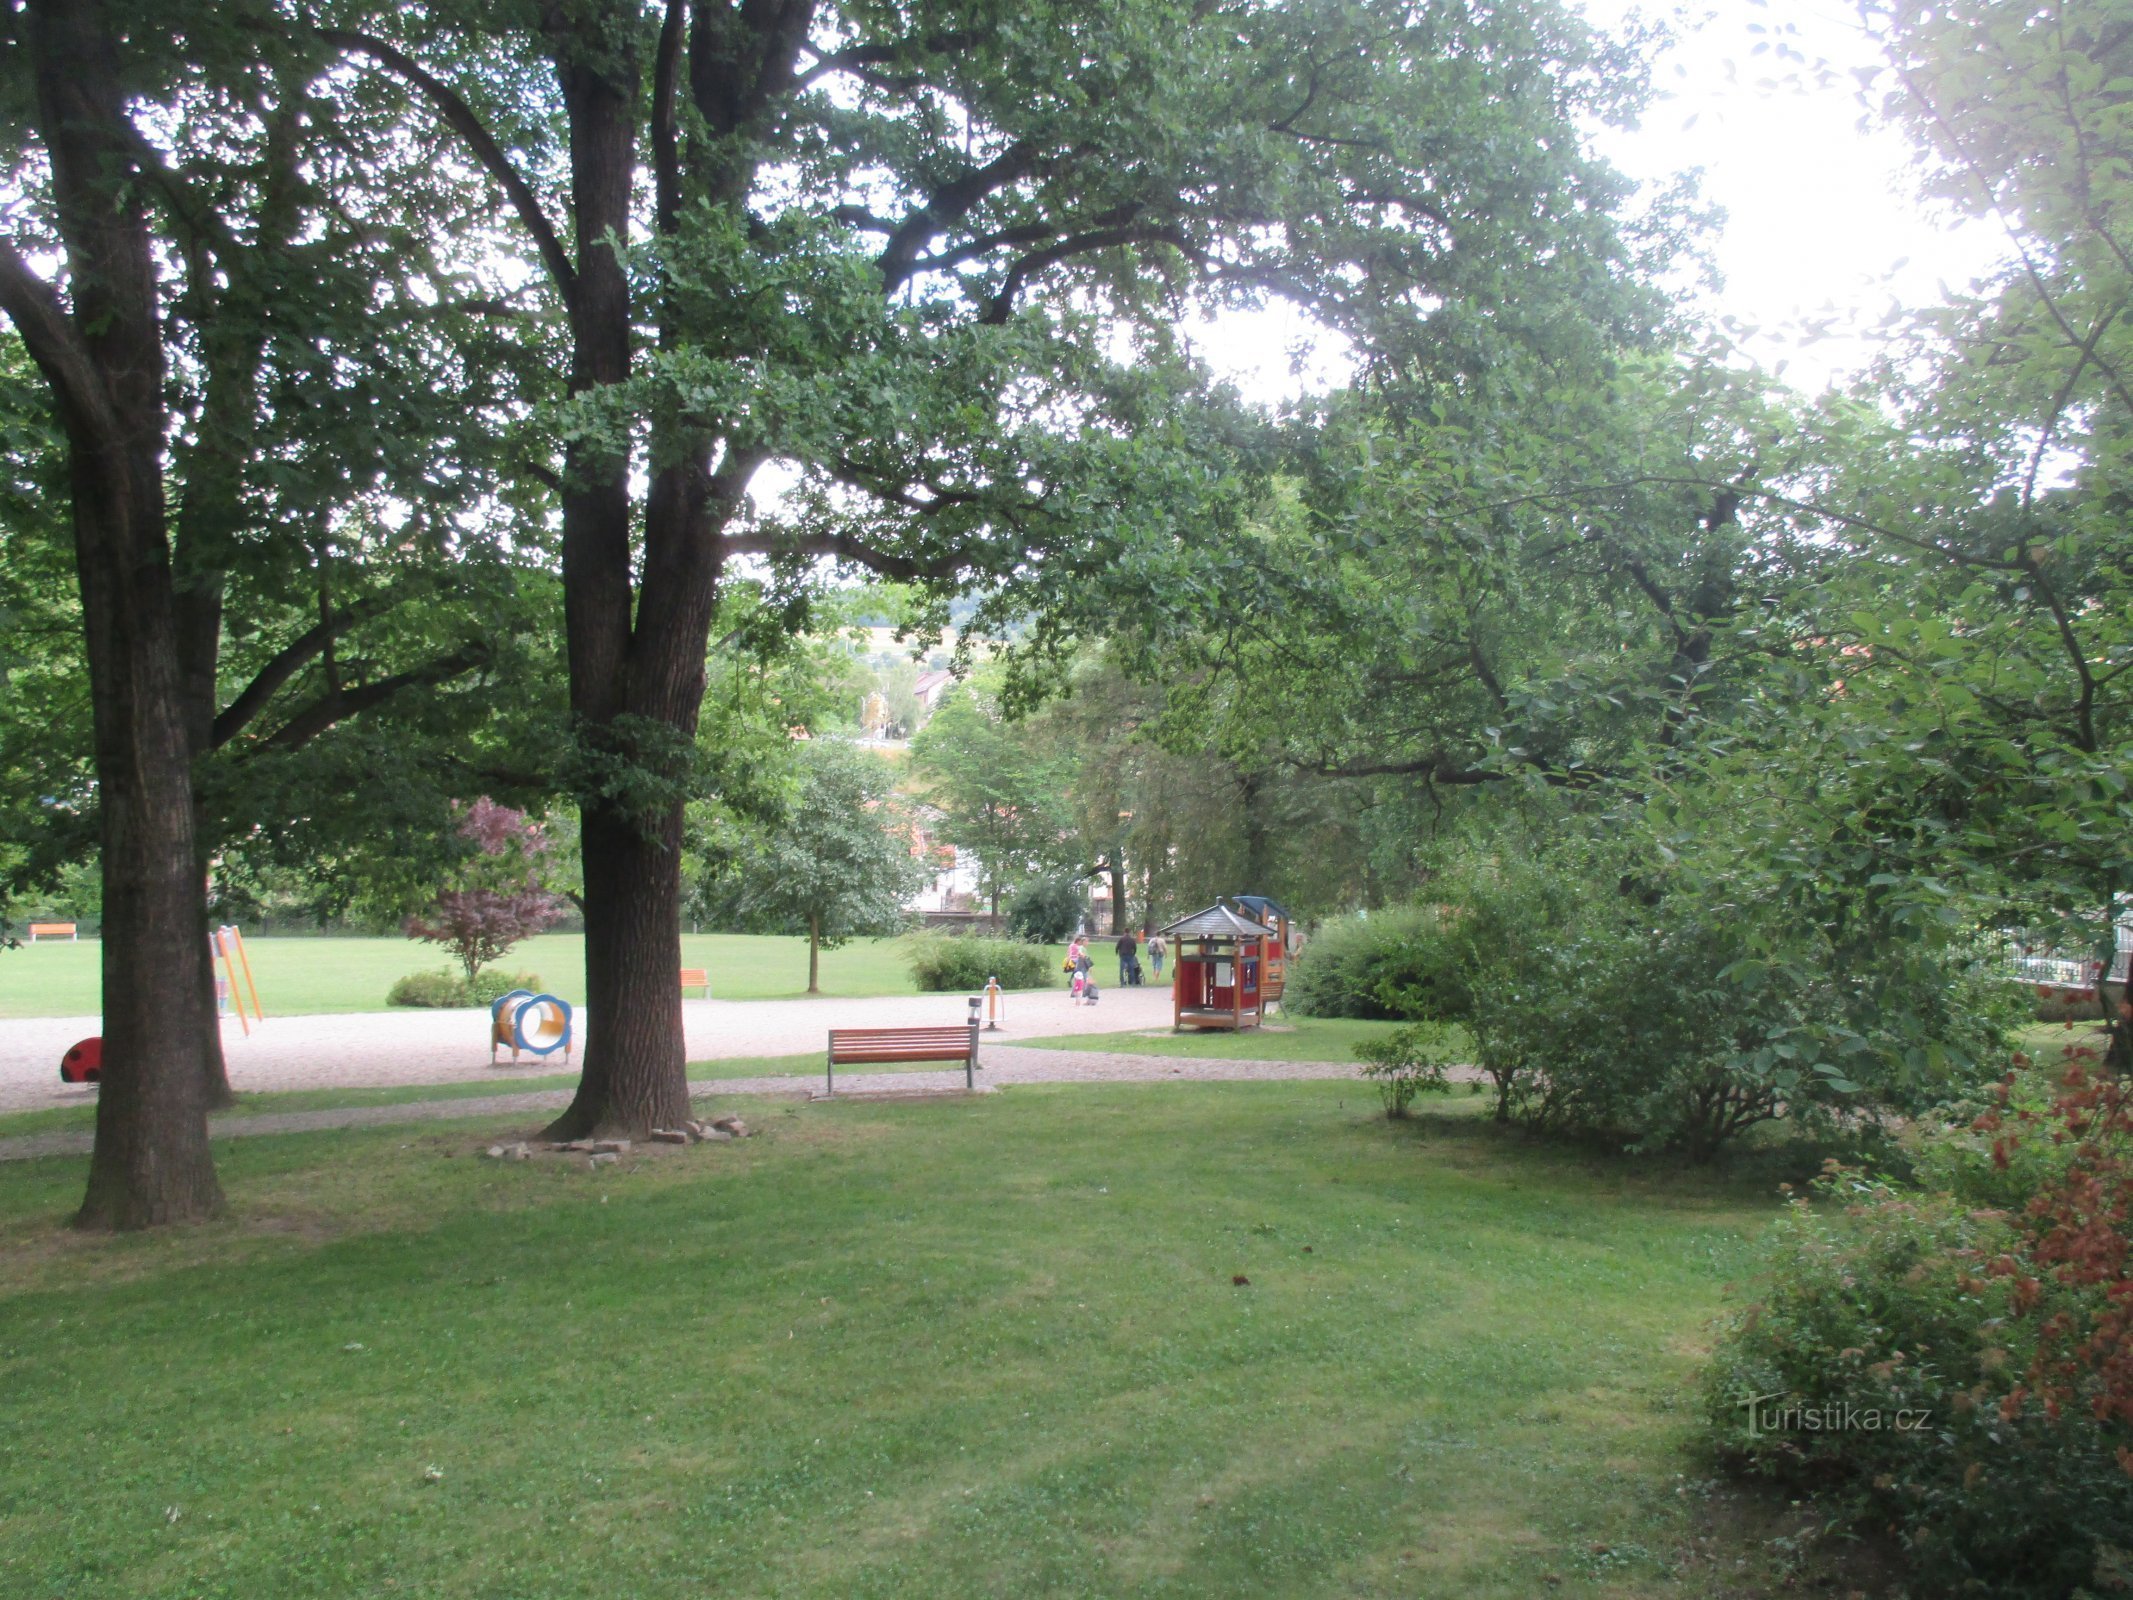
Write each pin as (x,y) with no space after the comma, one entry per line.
(2002,1331)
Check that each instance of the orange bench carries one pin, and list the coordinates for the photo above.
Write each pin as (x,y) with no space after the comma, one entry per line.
(696,978)
(53,930)
(854,1047)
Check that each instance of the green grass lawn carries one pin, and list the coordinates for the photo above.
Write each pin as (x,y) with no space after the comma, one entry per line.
(1289,1039)
(304,977)
(82,1115)
(949,1348)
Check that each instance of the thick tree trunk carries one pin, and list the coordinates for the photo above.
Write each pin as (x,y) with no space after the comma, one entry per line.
(1118,892)
(637,638)
(814,955)
(635,1076)
(151,1162)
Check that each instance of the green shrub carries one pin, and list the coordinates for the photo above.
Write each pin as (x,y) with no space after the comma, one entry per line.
(942,963)
(1408,1062)
(449,990)
(443,989)
(1895,1353)
(1403,963)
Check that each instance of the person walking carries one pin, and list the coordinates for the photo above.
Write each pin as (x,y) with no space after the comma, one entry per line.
(1157,949)
(1129,958)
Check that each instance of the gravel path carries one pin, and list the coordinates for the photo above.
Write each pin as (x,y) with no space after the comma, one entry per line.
(1004,1066)
(386,1049)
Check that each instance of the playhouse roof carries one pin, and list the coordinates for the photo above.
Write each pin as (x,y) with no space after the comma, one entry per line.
(1217,922)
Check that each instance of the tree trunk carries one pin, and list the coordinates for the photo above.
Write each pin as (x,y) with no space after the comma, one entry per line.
(814,955)
(1118,892)
(214,1070)
(635,1075)
(151,1163)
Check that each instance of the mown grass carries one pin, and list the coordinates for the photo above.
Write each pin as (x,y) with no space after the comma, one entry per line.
(984,1347)
(308,977)
(1288,1039)
(82,1116)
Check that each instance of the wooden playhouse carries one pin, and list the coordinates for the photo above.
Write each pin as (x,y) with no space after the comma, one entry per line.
(1227,967)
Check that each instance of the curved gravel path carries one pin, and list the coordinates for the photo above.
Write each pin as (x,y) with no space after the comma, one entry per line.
(387,1049)
(1004,1067)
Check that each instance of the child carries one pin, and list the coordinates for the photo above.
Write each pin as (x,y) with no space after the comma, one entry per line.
(1079,985)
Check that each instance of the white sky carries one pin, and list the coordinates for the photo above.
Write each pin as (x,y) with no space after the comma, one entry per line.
(1823,225)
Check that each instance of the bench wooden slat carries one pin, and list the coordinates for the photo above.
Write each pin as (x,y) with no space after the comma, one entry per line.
(865,1046)
(696,978)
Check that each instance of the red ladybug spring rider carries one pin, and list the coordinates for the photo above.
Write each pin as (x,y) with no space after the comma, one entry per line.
(83,1063)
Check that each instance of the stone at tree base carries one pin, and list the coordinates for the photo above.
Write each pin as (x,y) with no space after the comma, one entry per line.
(602,1158)
(609,1147)
(670,1136)
(732,1125)
(712,1135)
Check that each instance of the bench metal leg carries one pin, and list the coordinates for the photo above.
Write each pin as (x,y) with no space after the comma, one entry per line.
(831,1086)
(970,1062)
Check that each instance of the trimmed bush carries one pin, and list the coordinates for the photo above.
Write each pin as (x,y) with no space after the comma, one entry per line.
(441,989)
(451,991)
(943,963)
(1401,964)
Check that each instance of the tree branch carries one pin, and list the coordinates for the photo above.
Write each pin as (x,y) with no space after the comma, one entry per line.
(285,664)
(39,316)
(887,54)
(666,143)
(843,547)
(329,709)
(461,118)
(1002,305)
(948,205)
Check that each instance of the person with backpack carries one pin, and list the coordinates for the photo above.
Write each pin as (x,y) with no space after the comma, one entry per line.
(1129,958)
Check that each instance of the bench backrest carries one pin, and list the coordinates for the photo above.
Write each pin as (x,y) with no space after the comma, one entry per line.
(695,978)
(53,929)
(900,1044)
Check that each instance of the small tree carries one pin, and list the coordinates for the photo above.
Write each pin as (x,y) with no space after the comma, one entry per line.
(838,866)
(1000,793)
(497,894)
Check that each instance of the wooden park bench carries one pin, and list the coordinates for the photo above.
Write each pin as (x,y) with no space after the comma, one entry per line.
(696,978)
(52,930)
(854,1047)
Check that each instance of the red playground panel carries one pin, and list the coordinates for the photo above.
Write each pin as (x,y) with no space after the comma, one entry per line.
(84,1063)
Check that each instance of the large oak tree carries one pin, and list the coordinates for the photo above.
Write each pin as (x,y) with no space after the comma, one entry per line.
(931,257)
(278,411)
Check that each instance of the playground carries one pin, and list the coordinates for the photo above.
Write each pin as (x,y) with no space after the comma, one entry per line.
(387,1049)
(301,976)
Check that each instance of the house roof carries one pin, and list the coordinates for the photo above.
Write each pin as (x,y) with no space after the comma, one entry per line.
(1217,922)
